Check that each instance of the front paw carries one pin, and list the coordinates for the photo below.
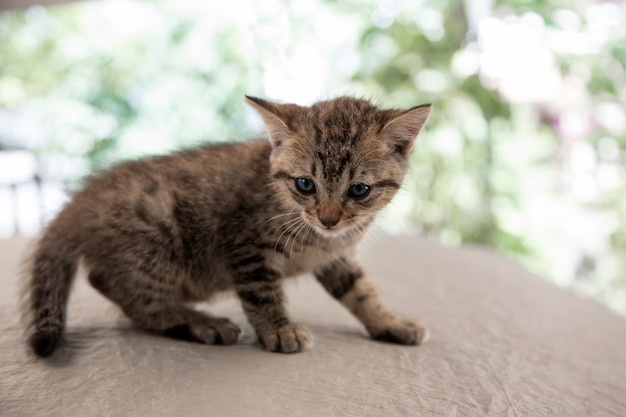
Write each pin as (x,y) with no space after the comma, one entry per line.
(290,338)
(403,332)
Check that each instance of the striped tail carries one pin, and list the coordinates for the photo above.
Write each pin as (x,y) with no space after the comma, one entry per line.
(52,271)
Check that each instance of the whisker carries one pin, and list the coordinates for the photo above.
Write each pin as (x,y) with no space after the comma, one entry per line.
(280,215)
(288,225)
(295,239)
(290,237)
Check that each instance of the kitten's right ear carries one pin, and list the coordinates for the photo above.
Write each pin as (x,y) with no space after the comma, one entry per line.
(277,129)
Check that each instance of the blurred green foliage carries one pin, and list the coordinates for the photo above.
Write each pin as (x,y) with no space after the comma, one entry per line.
(103,92)
(538,179)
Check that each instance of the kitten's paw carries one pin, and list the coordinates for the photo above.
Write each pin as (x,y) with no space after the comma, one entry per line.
(212,332)
(404,332)
(217,332)
(290,338)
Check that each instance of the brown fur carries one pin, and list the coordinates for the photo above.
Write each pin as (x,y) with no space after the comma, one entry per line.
(159,233)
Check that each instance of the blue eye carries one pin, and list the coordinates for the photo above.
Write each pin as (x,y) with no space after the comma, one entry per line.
(358,190)
(305,185)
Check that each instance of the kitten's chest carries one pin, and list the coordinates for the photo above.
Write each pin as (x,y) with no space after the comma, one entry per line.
(299,260)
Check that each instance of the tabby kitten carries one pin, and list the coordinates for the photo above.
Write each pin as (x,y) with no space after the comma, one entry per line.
(159,234)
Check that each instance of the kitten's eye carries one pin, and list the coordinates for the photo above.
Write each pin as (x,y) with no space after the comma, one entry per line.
(359,190)
(305,185)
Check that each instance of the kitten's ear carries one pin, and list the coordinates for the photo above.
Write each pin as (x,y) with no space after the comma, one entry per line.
(401,131)
(276,118)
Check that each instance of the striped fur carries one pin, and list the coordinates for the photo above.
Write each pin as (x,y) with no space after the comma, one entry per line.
(159,233)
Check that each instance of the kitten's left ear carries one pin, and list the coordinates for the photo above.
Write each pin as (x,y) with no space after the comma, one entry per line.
(277,118)
(401,131)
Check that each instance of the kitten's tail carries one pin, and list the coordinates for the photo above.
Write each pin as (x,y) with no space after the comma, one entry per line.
(52,269)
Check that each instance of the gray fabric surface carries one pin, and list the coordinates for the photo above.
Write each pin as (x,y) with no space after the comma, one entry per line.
(503,343)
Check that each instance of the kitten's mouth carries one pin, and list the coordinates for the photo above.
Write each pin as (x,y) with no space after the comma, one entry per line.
(332,231)
(354,229)
(338,230)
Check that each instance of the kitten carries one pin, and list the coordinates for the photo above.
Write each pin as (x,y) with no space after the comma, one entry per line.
(158,234)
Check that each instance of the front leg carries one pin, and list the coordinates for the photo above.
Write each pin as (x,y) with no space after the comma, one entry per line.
(262,298)
(345,280)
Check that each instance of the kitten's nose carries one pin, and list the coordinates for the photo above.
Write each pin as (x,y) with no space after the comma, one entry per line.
(328,213)
(329,222)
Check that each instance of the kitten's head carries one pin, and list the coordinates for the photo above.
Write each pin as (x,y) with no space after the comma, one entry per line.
(339,161)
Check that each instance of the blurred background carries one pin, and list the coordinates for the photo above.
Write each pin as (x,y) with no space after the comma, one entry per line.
(524,153)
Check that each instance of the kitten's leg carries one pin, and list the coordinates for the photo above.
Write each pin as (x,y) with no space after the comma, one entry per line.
(347,282)
(262,299)
(151,305)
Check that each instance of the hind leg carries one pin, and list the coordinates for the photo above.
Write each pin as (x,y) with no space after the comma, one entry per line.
(152,304)
(183,323)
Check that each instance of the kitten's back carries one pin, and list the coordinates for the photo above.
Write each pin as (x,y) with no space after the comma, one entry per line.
(153,207)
